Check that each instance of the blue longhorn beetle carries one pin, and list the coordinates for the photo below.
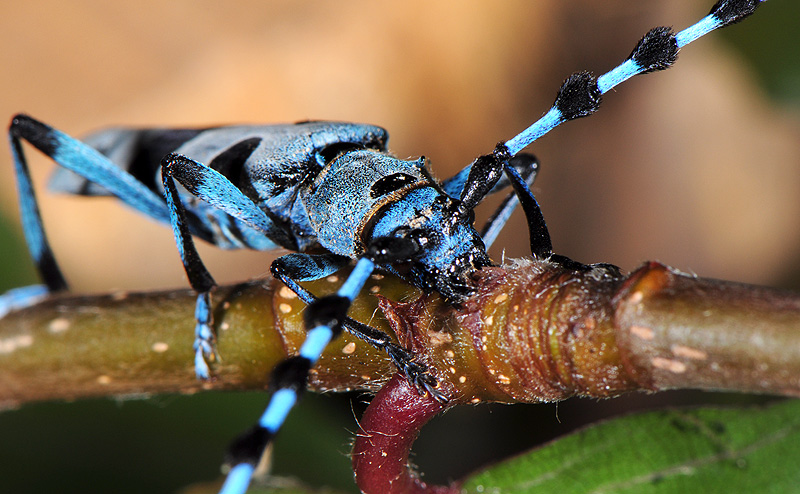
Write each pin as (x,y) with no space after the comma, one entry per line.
(329,191)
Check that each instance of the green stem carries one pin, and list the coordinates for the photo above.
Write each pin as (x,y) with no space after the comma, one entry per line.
(533,332)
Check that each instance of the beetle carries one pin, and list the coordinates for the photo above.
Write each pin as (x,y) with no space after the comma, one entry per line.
(329,191)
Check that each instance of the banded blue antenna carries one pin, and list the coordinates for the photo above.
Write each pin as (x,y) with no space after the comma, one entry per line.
(325,317)
(581,93)
(289,381)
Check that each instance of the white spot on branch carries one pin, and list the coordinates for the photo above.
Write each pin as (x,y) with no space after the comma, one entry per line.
(14,343)
(501,298)
(286,292)
(58,325)
(669,365)
(643,332)
(160,347)
(688,352)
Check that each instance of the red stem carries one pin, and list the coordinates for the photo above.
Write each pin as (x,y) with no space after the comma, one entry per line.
(389,427)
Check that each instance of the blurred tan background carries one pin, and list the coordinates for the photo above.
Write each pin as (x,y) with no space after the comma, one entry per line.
(693,167)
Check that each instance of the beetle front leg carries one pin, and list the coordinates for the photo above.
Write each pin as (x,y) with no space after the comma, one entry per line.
(295,267)
(527,167)
(541,245)
(324,319)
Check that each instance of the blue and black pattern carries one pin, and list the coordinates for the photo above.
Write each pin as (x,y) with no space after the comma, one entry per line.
(330,192)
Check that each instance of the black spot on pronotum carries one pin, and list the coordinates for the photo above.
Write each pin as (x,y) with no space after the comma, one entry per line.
(389,184)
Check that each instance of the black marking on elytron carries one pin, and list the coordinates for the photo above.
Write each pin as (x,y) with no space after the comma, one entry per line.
(136,151)
(151,147)
(285,180)
(329,153)
(657,50)
(231,162)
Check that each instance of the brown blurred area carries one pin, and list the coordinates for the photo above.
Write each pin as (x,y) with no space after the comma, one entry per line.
(693,167)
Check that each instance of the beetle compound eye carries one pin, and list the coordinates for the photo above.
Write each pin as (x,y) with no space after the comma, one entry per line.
(389,184)
(423,237)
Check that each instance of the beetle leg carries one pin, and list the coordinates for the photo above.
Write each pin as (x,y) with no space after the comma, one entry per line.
(87,162)
(295,267)
(528,167)
(324,318)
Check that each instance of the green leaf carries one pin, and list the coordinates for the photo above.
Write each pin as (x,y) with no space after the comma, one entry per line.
(702,450)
